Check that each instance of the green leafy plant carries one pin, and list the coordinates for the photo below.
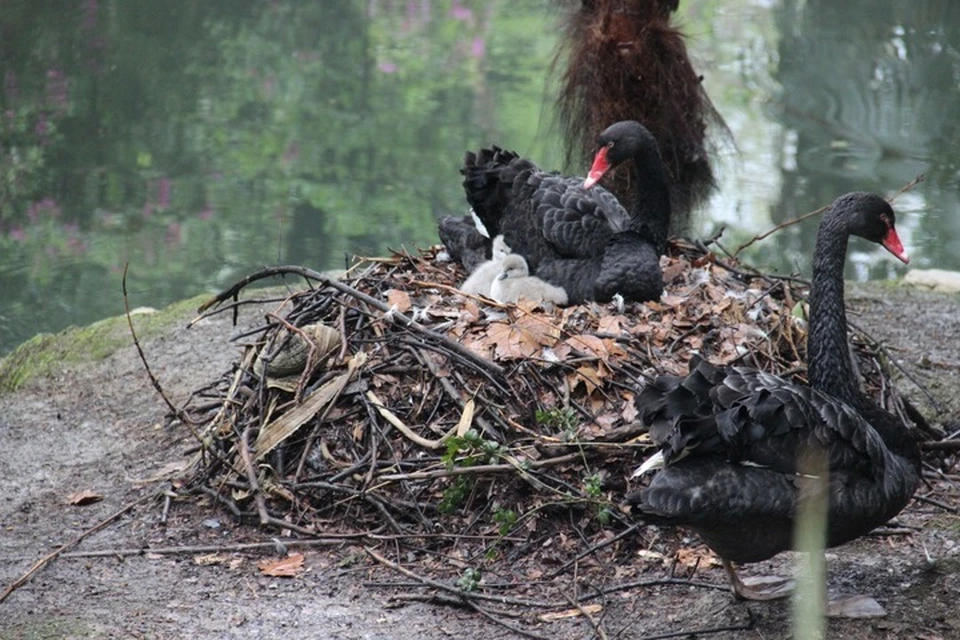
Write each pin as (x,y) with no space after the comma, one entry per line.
(471,449)
(506,519)
(455,494)
(470,580)
(562,419)
(593,485)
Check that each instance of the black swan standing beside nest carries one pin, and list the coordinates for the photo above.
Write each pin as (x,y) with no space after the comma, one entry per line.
(572,234)
(736,443)
(624,60)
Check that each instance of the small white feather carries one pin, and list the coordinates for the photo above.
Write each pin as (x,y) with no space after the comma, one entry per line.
(479,224)
(655,461)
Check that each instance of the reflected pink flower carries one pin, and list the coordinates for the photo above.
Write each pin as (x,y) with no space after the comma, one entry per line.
(89,12)
(163,193)
(206,213)
(478,48)
(41,129)
(11,88)
(387,67)
(147,209)
(74,242)
(292,152)
(46,206)
(17,234)
(173,237)
(268,86)
(460,12)
(51,206)
(58,88)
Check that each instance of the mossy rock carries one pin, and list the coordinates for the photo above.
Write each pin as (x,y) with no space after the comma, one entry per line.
(45,353)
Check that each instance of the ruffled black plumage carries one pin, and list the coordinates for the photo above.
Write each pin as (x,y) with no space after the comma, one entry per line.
(735,442)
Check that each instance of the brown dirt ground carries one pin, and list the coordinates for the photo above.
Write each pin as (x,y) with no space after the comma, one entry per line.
(100,426)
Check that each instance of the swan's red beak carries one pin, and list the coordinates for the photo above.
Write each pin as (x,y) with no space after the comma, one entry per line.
(891,242)
(600,166)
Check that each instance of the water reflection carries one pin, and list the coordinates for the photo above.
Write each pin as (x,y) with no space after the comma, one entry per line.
(200,140)
(869,96)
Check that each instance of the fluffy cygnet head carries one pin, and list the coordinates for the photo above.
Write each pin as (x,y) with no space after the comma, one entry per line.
(513,266)
(500,248)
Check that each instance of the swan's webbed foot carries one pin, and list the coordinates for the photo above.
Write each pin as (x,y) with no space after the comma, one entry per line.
(760,588)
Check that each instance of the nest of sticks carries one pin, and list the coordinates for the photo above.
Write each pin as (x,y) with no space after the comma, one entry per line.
(388,405)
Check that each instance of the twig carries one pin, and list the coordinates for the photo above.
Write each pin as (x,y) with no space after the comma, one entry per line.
(478,469)
(328,539)
(656,582)
(503,623)
(393,419)
(941,445)
(597,627)
(879,346)
(787,223)
(507,600)
(50,557)
(744,626)
(937,503)
(333,283)
(782,225)
(182,415)
(597,547)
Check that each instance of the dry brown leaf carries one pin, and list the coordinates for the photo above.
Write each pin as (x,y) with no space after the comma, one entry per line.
(539,329)
(472,310)
(606,420)
(288,567)
(674,269)
(399,299)
(629,411)
(611,325)
(83,498)
(286,425)
(511,343)
(672,300)
(588,344)
(589,377)
(697,556)
(589,609)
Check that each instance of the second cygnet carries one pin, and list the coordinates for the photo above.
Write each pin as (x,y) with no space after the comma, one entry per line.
(482,277)
(514,283)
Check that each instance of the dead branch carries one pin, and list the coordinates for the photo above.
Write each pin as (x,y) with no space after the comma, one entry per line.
(50,557)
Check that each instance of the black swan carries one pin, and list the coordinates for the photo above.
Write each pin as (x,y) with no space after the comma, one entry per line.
(515,282)
(483,275)
(572,234)
(625,60)
(733,440)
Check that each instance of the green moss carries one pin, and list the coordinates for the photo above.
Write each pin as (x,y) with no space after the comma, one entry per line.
(46,353)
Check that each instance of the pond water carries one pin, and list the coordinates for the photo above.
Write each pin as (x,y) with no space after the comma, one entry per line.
(198,141)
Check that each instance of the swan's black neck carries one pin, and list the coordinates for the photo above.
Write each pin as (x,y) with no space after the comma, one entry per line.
(651,197)
(828,356)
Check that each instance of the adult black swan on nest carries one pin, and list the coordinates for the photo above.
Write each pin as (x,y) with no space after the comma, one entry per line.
(572,234)
(735,441)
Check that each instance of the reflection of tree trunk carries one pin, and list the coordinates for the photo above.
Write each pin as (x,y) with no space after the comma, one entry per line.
(308,239)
